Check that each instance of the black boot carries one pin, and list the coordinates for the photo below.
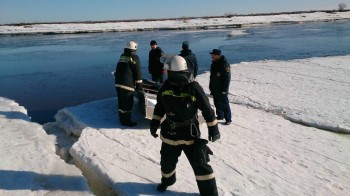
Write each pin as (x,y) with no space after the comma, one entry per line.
(129,124)
(162,187)
(207,187)
(166,182)
(125,120)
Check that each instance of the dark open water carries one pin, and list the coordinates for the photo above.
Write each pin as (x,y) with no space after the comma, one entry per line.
(45,73)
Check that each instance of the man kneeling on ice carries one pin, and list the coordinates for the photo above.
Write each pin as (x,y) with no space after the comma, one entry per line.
(179,99)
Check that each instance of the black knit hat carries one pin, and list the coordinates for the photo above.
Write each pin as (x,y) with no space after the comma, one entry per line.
(153,42)
(185,45)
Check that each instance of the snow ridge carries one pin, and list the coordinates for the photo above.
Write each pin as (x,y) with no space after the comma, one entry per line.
(290,114)
(176,24)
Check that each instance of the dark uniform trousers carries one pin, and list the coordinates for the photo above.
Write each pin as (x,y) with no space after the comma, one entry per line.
(125,103)
(171,151)
(157,77)
(222,106)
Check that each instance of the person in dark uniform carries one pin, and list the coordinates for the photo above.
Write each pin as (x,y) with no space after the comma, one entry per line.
(190,58)
(220,78)
(127,76)
(179,99)
(155,67)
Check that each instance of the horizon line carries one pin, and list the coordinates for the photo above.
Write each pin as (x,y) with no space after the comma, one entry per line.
(176,18)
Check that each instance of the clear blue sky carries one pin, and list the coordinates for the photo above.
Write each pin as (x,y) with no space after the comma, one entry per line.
(16,11)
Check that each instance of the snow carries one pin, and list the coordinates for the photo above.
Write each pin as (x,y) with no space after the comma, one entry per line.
(237,33)
(29,165)
(263,152)
(185,23)
(312,91)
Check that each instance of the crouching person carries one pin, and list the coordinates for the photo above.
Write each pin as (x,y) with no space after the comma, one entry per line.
(127,77)
(179,99)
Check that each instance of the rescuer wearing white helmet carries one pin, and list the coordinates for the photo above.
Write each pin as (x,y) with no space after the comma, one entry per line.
(127,78)
(132,45)
(179,99)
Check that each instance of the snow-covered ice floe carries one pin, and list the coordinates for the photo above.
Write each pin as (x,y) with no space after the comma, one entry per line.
(236,33)
(313,92)
(29,165)
(260,153)
(198,23)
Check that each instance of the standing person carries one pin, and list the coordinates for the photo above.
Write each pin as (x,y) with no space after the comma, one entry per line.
(127,76)
(220,78)
(179,99)
(190,58)
(155,67)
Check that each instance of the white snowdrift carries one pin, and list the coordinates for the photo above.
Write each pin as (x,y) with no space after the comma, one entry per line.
(173,24)
(74,119)
(29,165)
(314,92)
(260,153)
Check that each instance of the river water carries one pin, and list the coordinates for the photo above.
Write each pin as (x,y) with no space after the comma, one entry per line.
(45,73)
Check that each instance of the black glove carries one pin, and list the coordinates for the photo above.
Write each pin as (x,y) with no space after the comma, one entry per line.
(153,127)
(201,152)
(214,133)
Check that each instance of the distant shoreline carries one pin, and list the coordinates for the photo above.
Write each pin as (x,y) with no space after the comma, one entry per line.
(184,23)
(180,18)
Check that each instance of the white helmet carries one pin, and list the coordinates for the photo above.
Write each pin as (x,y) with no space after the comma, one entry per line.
(177,63)
(132,45)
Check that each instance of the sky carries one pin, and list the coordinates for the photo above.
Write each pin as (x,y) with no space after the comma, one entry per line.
(265,151)
(31,11)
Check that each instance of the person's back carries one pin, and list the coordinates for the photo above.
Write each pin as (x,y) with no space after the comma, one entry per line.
(128,69)
(179,99)
(127,76)
(190,58)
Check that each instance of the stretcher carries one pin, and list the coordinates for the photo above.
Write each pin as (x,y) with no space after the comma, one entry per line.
(148,98)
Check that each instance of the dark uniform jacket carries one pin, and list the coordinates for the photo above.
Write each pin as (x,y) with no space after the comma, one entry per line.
(154,65)
(191,60)
(128,70)
(220,76)
(180,104)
